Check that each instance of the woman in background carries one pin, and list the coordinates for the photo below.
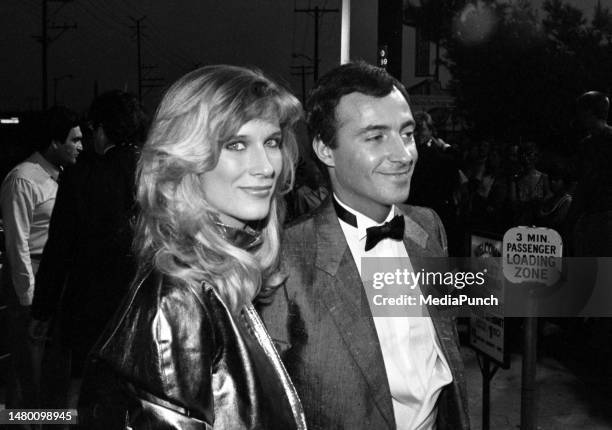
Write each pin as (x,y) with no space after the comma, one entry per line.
(529,187)
(186,350)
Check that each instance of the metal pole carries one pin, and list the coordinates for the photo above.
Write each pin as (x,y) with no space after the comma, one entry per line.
(316,44)
(303,84)
(317,14)
(139,61)
(486,393)
(44,54)
(345,32)
(528,390)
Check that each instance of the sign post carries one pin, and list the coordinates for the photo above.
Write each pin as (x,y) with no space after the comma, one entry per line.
(487,334)
(531,259)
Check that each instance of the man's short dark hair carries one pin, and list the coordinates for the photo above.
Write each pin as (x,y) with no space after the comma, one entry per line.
(595,103)
(57,123)
(357,77)
(121,116)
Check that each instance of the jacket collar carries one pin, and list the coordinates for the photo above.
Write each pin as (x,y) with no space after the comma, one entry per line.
(331,244)
(344,296)
(246,238)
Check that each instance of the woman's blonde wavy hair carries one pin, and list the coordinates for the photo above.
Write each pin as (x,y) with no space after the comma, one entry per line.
(177,231)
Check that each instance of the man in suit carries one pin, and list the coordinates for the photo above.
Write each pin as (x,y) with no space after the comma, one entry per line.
(352,370)
(87,264)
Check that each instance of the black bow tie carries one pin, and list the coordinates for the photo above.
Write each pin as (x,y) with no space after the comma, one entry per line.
(393,229)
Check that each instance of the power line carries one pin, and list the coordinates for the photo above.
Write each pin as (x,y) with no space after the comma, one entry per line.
(155,33)
(143,81)
(138,29)
(167,54)
(301,71)
(113,20)
(101,19)
(317,13)
(170,58)
(45,40)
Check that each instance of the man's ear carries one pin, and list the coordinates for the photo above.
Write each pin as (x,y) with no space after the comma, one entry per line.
(323,152)
(55,144)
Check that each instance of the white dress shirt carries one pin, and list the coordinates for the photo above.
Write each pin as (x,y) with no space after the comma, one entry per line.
(27,197)
(415,365)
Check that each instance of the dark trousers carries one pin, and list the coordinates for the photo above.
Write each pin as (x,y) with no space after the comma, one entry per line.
(24,369)
(23,379)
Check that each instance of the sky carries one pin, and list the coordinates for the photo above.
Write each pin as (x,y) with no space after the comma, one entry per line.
(176,37)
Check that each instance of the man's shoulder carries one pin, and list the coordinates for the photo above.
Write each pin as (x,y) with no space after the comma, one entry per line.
(27,172)
(306,222)
(423,216)
(299,231)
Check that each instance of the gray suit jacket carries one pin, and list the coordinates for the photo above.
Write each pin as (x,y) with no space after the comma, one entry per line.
(330,348)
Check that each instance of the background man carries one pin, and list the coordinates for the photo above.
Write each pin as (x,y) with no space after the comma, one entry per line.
(592,207)
(352,370)
(27,197)
(436,179)
(88,255)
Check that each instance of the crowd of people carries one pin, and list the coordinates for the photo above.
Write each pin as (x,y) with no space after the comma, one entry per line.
(194,271)
(491,186)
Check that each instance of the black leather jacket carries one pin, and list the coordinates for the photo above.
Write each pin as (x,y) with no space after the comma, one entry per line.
(176,358)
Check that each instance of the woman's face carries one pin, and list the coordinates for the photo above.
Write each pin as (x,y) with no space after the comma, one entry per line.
(242,184)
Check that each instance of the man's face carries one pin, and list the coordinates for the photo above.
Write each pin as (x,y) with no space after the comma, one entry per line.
(425,134)
(69,150)
(373,161)
(98,137)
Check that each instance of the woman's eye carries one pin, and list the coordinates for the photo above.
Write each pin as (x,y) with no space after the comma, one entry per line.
(273,143)
(235,146)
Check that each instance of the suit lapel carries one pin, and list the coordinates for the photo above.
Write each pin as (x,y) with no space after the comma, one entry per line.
(340,287)
(422,253)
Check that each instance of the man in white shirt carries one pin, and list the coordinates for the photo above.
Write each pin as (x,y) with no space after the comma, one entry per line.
(353,370)
(27,197)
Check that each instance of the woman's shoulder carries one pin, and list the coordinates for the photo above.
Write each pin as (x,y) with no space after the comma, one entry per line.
(175,298)
(162,345)
(158,306)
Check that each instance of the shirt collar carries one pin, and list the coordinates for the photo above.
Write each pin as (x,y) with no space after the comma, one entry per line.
(363,222)
(49,167)
(108,148)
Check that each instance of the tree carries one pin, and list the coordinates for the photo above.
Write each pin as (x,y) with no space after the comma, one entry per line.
(434,19)
(521,80)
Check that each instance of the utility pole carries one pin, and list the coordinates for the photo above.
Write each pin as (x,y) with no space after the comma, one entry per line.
(143,81)
(45,41)
(150,83)
(139,57)
(318,11)
(302,70)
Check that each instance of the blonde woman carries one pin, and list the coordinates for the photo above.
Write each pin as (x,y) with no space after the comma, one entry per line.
(187,350)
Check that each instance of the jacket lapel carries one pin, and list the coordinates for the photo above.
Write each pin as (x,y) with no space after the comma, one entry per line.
(422,253)
(340,287)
